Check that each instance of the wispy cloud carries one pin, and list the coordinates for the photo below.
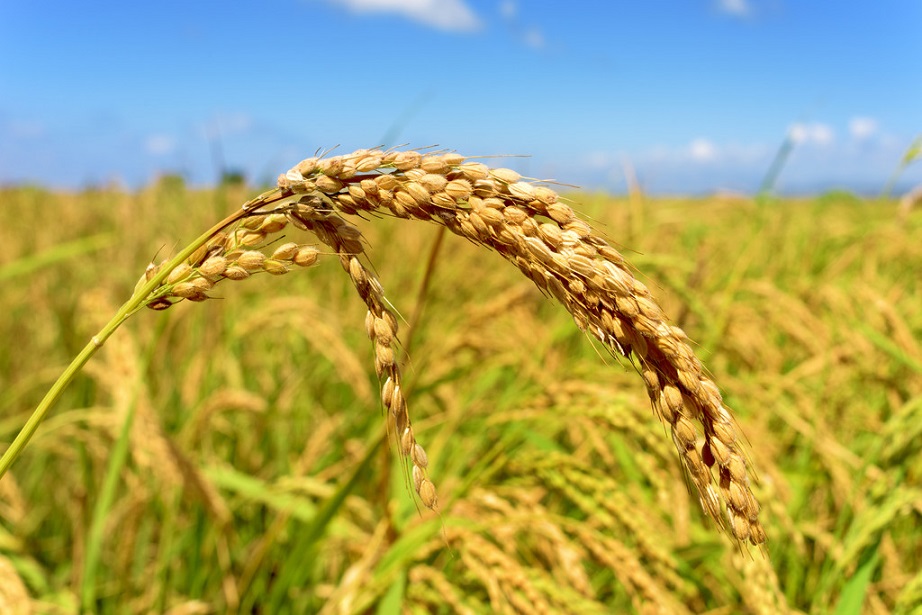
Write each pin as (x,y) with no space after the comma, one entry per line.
(534,38)
(702,150)
(812,133)
(159,145)
(862,128)
(737,8)
(226,124)
(529,35)
(449,15)
(702,164)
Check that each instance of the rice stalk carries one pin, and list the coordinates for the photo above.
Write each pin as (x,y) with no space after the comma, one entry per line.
(526,223)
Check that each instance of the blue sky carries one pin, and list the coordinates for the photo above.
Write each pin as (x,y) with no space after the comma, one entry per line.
(694,95)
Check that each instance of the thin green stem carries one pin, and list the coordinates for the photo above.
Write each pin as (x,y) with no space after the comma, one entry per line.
(423,293)
(138,300)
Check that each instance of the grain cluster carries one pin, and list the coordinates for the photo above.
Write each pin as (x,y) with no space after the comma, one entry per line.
(525,222)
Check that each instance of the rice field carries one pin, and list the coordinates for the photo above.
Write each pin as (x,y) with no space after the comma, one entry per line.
(233,455)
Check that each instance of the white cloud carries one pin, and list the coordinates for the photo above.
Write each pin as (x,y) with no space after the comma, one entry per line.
(159,145)
(705,151)
(599,159)
(737,8)
(234,122)
(530,36)
(862,128)
(813,133)
(534,39)
(225,124)
(702,150)
(442,14)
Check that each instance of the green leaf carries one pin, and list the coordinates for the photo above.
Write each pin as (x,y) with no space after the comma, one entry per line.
(26,265)
(914,151)
(392,601)
(856,589)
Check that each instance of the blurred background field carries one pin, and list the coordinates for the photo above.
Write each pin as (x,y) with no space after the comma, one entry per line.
(231,456)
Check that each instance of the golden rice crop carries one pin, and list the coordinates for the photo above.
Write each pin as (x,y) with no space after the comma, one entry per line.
(526,223)
(227,456)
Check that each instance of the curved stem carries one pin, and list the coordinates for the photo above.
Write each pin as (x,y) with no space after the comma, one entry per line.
(137,301)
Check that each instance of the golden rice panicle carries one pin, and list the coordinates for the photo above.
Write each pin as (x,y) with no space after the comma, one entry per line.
(233,255)
(526,223)
(381,328)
